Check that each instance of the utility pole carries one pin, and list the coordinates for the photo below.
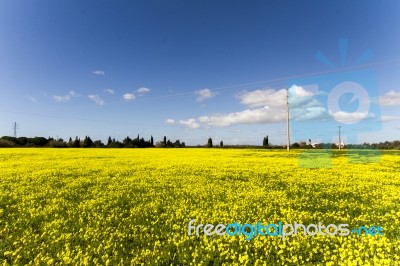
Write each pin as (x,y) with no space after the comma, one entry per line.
(340,141)
(288,117)
(15,126)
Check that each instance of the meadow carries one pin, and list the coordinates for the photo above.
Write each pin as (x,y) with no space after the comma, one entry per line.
(133,206)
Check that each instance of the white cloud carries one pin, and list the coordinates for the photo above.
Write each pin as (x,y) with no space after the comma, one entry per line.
(99,72)
(266,97)
(142,90)
(110,91)
(248,116)
(389,118)
(300,91)
(267,106)
(190,123)
(96,99)
(30,98)
(204,94)
(129,97)
(391,98)
(66,97)
(170,121)
(301,103)
(275,98)
(349,118)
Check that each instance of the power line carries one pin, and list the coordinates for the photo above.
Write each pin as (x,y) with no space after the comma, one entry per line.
(81,119)
(242,85)
(282,79)
(275,81)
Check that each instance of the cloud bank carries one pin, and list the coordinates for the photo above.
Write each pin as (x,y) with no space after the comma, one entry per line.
(263,106)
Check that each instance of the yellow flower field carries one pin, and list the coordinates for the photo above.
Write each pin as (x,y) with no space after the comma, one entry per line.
(133,206)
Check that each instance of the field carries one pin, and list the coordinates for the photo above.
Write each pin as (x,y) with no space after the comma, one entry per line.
(133,206)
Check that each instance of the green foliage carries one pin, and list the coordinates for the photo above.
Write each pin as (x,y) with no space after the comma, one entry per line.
(57,144)
(87,143)
(6,143)
(265,141)
(209,143)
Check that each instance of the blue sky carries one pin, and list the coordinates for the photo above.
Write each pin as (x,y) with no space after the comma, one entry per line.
(192,70)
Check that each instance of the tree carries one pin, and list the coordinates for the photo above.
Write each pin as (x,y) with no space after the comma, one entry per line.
(115,144)
(221,144)
(90,142)
(177,144)
(57,144)
(98,143)
(295,145)
(265,141)
(6,143)
(165,141)
(11,139)
(38,141)
(77,142)
(126,141)
(22,141)
(142,143)
(109,141)
(151,141)
(87,142)
(209,143)
(70,143)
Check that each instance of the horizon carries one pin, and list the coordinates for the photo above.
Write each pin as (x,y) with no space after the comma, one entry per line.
(191,71)
(215,144)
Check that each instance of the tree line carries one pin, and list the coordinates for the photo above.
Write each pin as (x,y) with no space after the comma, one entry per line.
(87,142)
(140,142)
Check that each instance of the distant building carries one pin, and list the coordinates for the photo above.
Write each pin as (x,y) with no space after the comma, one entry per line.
(315,144)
